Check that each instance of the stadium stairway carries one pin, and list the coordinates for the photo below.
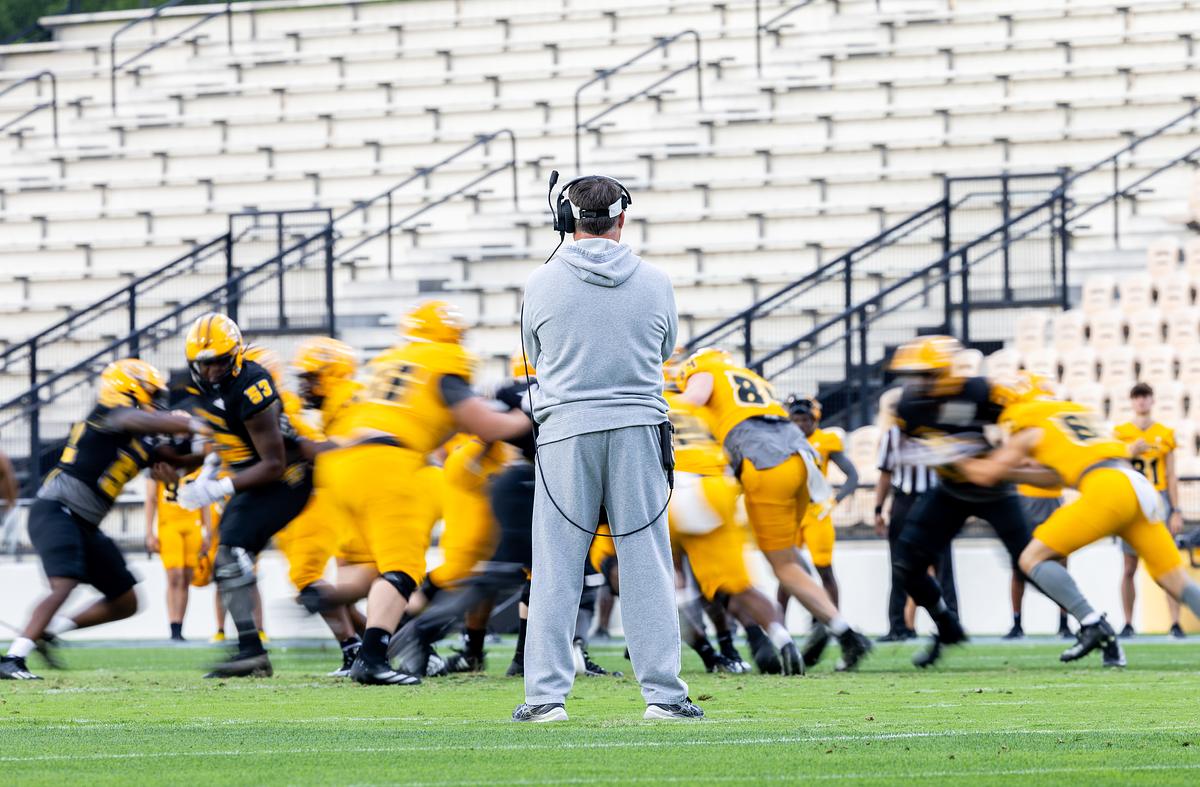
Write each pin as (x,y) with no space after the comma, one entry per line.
(859,110)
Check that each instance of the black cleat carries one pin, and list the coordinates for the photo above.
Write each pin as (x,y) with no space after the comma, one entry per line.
(380,675)
(585,666)
(1016,632)
(683,711)
(950,632)
(895,636)
(348,657)
(722,664)
(1096,635)
(793,663)
(855,648)
(13,668)
(47,647)
(766,658)
(1114,655)
(1177,631)
(815,644)
(244,665)
(516,669)
(461,661)
(729,653)
(1127,632)
(553,711)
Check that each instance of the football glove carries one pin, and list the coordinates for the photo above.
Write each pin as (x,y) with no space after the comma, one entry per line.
(204,492)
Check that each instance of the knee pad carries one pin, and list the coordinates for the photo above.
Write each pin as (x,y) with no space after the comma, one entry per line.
(233,567)
(403,583)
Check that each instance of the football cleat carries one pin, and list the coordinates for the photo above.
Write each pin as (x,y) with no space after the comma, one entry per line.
(461,661)
(380,675)
(14,668)
(766,658)
(897,636)
(554,711)
(950,632)
(722,664)
(1090,637)
(243,665)
(516,669)
(684,711)
(815,644)
(217,638)
(1114,655)
(855,648)
(793,663)
(1016,632)
(585,666)
(1127,632)
(730,654)
(47,647)
(1177,631)
(435,665)
(348,657)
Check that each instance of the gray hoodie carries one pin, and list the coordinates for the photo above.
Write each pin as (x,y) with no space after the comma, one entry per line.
(598,324)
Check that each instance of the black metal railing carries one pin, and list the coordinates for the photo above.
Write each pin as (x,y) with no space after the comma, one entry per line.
(386,199)
(115,68)
(761,27)
(52,104)
(603,75)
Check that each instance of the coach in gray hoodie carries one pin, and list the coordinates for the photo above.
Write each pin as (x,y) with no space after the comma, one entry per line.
(598,324)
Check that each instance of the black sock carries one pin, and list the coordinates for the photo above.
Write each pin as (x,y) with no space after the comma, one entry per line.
(1017,619)
(374,645)
(249,644)
(1062,620)
(176,631)
(351,643)
(756,637)
(725,641)
(475,639)
(519,653)
(704,650)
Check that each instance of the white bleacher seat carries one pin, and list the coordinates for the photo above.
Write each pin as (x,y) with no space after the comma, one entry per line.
(1043,362)
(1106,329)
(1191,258)
(1157,365)
(862,448)
(968,363)
(1145,328)
(1093,395)
(1004,363)
(1118,366)
(1169,403)
(1162,258)
(1136,293)
(1189,366)
(1079,367)
(1097,294)
(1185,433)
(1183,328)
(1175,291)
(1070,330)
(1030,331)
(1120,409)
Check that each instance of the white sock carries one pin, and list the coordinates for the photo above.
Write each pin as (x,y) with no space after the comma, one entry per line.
(1088,620)
(60,624)
(21,647)
(779,635)
(839,626)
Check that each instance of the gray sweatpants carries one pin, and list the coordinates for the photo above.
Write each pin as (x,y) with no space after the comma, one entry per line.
(621,469)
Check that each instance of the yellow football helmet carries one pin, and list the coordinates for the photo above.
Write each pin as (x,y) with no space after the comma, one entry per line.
(926,355)
(1024,387)
(434,321)
(267,359)
(211,338)
(705,356)
(130,382)
(326,358)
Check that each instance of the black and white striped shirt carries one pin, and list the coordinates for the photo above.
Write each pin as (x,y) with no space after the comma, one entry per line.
(906,478)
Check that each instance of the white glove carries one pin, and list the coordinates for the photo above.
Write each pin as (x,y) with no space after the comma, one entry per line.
(204,492)
(212,463)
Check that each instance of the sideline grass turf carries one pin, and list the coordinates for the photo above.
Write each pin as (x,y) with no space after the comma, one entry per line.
(996,714)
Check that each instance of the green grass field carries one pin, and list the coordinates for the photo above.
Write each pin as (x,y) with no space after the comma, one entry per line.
(997,714)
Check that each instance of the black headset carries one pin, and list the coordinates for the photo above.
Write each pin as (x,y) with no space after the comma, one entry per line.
(564,216)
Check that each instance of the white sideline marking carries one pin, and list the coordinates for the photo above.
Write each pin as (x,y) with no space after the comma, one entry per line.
(775,740)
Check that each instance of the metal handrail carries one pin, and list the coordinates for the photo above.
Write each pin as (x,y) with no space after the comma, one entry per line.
(114,66)
(604,74)
(765,27)
(52,104)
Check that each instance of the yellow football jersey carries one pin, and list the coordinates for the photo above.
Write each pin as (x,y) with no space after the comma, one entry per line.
(470,461)
(737,394)
(403,395)
(1152,463)
(169,511)
(825,443)
(1073,437)
(1025,490)
(337,405)
(695,449)
(293,408)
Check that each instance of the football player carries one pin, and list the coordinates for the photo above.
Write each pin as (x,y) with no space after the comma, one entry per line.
(417,396)
(1152,452)
(268,482)
(180,538)
(1072,448)
(777,469)
(104,452)
(947,416)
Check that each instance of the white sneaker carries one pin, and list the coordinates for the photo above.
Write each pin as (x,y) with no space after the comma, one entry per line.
(536,713)
(684,711)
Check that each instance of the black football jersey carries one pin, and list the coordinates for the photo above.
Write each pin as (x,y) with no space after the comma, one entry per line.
(237,400)
(103,458)
(962,410)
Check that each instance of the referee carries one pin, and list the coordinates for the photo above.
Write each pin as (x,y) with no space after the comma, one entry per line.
(905,482)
